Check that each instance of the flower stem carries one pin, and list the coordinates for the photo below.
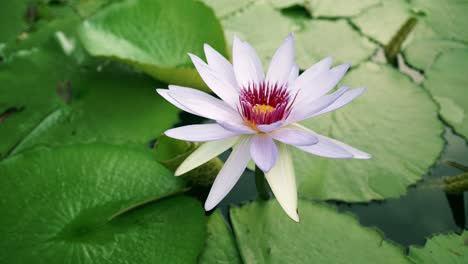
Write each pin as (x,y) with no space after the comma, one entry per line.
(262,189)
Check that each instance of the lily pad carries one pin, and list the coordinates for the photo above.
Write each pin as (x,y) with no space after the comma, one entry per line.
(436,31)
(404,140)
(320,39)
(13,18)
(447,249)
(220,246)
(383,21)
(266,235)
(75,203)
(314,39)
(155,36)
(447,82)
(223,8)
(339,8)
(113,105)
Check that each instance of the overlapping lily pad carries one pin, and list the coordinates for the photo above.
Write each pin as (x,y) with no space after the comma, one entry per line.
(441,27)
(448,249)
(447,82)
(394,120)
(383,21)
(266,235)
(220,246)
(339,8)
(155,36)
(73,203)
(314,39)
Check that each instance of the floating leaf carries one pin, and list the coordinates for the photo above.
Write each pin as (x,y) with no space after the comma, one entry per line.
(266,235)
(309,47)
(332,35)
(220,246)
(14,17)
(447,81)
(447,249)
(442,27)
(339,8)
(382,22)
(155,36)
(69,203)
(394,120)
(224,8)
(114,106)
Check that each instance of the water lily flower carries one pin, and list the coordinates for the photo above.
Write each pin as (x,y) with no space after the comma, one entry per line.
(257,116)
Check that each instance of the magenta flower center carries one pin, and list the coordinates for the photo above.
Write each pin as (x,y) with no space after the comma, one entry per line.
(264,103)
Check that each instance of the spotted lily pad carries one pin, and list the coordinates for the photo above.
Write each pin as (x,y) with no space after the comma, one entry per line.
(448,249)
(394,120)
(447,81)
(266,235)
(75,203)
(155,36)
(220,246)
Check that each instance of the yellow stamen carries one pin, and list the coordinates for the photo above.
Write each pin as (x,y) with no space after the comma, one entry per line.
(262,109)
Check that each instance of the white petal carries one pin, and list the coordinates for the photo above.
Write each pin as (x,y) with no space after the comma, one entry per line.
(202,104)
(236,127)
(320,85)
(165,94)
(357,154)
(327,148)
(270,127)
(294,136)
(305,80)
(204,153)
(293,76)
(345,99)
(282,63)
(264,152)
(220,64)
(247,65)
(308,110)
(217,82)
(230,173)
(282,182)
(197,133)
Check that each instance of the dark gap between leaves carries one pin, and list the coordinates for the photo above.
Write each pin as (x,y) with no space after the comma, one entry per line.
(12,110)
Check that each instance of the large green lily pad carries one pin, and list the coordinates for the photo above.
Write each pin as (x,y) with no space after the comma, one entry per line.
(314,39)
(266,235)
(394,120)
(113,105)
(383,21)
(442,27)
(69,204)
(339,8)
(320,39)
(13,19)
(447,82)
(220,246)
(447,249)
(155,36)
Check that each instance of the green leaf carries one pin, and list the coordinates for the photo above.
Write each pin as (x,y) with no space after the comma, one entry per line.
(249,24)
(220,246)
(447,249)
(339,8)
(442,27)
(447,82)
(333,34)
(13,18)
(113,105)
(382,22)
(155,36)
(75,203)
(394,120)
(223,8)
(266,235)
